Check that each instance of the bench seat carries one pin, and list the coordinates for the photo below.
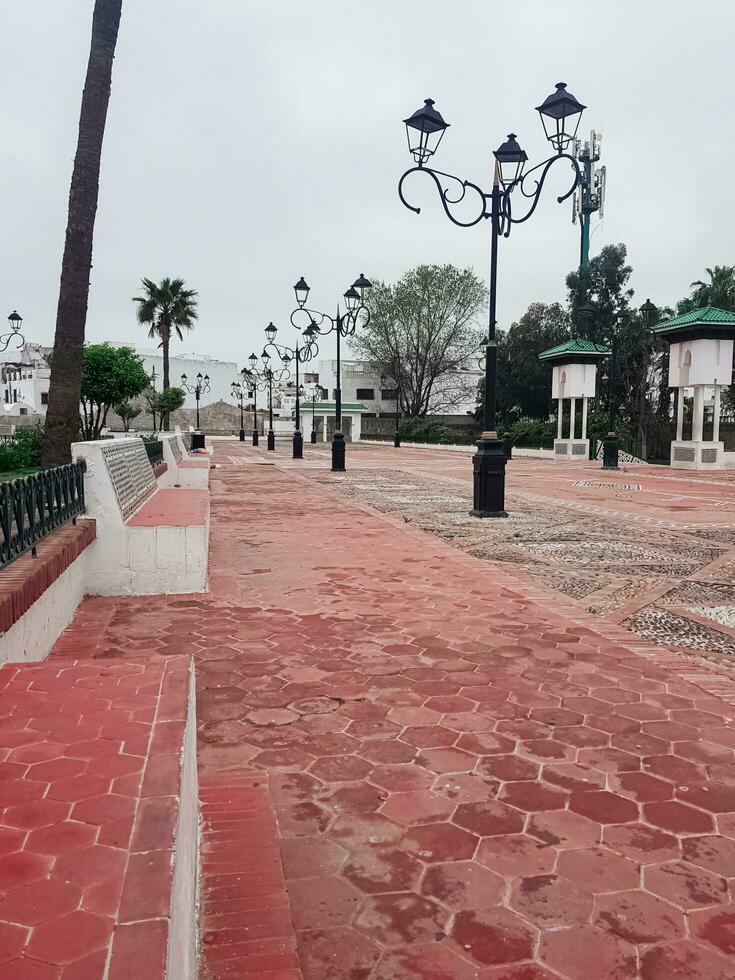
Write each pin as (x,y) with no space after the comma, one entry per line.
(169,507)
(194,463)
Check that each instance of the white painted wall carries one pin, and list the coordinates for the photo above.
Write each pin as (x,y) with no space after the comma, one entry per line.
(128,560)
(573,380)
(700,362)
(221,373)
(30,639)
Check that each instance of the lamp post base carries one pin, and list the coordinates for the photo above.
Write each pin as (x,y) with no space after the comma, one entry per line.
(255,437)
(197,440)
(312,439)
(489,477)
(298,445)
(271,440)
(508,445)
(242,435)
(610,452)
(397,441)
(338,453)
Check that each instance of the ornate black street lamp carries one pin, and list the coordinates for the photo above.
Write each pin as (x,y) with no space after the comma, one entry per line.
(197,390)
(240,394)
(560,115)
(253,383)
(344,325)
(317,394)
(265,375)
(298,355)
(16,322)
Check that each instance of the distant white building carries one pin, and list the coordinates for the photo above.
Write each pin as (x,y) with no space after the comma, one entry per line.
(24,380)
(455,393)
(221,373)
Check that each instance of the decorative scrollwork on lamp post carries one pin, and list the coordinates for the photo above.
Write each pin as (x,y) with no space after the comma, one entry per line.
(560,115)
(197,390)
(16,322)
(298,354)
(262,377)
(344,325)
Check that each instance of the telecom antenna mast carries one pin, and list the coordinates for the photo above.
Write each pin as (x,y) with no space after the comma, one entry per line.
(590,195)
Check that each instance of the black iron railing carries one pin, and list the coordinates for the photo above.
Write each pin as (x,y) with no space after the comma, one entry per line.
(34,506)
(155,451)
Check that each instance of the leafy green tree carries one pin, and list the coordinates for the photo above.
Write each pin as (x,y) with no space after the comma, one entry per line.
(110,375)
(166,308)
(127,412)
(62,416)
(604,285)
(162,403)
(719,291)
(421,328)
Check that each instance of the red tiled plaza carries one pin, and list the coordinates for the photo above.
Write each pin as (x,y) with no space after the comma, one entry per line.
(413,765)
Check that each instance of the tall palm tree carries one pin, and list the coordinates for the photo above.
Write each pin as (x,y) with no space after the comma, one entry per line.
(719,291)
(166,308)
(62,417)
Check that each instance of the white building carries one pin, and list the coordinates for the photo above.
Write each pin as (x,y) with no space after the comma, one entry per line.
(455,393)
(221,373)
(24,380)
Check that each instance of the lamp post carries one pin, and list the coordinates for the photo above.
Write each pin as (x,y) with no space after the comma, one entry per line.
(266,375)
(16,322)
(239,394)
(344,325)
(254,383)
(560,116)
(299,355)
(200,388)
(317,394)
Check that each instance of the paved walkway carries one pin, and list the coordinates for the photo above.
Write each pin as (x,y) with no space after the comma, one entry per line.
(416,766)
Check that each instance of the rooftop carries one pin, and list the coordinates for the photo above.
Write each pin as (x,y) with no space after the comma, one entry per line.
(705,315)
(577,345)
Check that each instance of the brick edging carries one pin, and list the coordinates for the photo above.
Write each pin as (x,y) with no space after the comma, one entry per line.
(25,581)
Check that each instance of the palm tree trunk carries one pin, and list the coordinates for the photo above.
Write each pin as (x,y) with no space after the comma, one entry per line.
(62,417)
(165,341)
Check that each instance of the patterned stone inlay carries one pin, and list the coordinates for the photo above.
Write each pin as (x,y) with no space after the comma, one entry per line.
(598,484)
(131,474)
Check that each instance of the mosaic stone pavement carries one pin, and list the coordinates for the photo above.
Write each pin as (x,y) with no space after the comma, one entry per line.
(629,571)
(417,765)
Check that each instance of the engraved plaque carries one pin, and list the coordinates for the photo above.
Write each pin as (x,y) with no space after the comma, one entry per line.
(131,474)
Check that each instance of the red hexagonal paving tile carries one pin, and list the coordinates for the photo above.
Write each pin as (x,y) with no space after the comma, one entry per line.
(425,960)
(639,917)
(711,852)
(641,842)
(417,806)
(571,776)
(37,813)
(493,936)
(330,954)
(322,903)
(710,796)
(40,901)
(375,869)
(489,819)
(340,768)
(533,797)
(61,838)
(582,952)
(603,806)
(439,842)
(550,901)
(447,760)
(684,960)
(463,885)
(678,818)
(401,918)
(70,938)
(598,869)
(562,828)
(516,854)
(685,885)
(715,927)
(508,767)
(20,868)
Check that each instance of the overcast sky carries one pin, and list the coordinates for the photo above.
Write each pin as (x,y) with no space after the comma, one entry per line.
(253,141)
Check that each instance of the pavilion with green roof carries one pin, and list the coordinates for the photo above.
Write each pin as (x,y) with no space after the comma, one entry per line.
(573,376)
(700,358)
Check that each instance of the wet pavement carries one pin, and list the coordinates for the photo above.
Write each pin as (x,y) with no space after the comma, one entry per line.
(415,764)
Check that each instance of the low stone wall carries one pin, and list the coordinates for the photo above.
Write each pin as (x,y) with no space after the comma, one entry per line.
(39,596)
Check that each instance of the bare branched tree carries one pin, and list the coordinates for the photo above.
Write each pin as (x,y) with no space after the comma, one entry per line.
(423,331)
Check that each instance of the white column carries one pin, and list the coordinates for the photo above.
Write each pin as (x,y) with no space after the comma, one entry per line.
(559,418)
(716,416)
(679,414)
(572,414)
(698,417)
(325,436)
(584,418)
